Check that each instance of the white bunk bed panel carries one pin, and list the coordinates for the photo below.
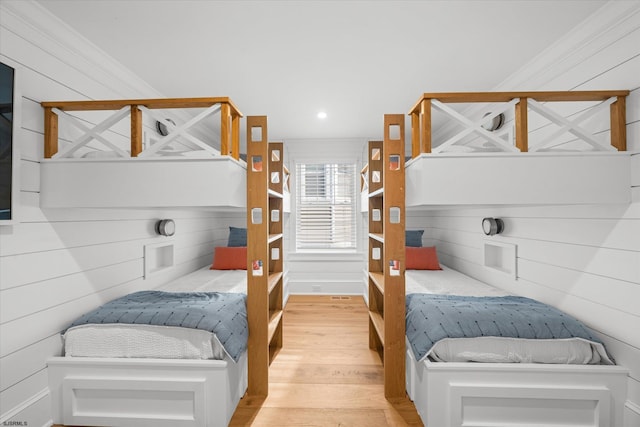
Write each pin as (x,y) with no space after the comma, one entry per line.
(507,394)
(151,392)
(218,182)
(145,392)
(516,394)
(482,179)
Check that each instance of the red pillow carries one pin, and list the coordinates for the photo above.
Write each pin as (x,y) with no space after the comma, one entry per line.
(230,258)
(424,258)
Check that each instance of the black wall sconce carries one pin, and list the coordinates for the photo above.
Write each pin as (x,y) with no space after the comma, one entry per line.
(495,124)
(492,226)
(162,127)
(166,227)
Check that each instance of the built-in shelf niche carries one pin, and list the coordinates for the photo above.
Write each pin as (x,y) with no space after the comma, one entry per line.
(158,257)
(501,257)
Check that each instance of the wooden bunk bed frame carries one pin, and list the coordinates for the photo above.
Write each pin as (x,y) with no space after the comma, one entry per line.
(528,162)
(189,393)
(421,113)
(514,394)
(178,159)
(387,254)
(133,108)
(265,178)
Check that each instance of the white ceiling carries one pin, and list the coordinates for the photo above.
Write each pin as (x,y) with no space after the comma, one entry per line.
(356,60)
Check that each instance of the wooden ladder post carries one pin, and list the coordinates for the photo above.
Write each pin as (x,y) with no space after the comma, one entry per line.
(225,130)
(376,247)
(522,126)
(257,256)
(50,133)
(619,124)
(136,131)
(415,134)
(425,114)
(394,255)
(276,247)
(235,136)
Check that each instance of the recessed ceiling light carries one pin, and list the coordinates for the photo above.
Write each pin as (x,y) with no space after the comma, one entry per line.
(322,115)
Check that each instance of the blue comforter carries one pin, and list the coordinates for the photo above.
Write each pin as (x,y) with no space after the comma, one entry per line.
(432,317)
(224,314)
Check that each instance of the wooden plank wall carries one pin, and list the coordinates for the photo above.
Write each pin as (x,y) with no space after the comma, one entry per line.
(57,264)
(635,177)
(583,259)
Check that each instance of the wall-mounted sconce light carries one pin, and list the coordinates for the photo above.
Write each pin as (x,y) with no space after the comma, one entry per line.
(492,226)
(162,127)
(494,124)
(166,227)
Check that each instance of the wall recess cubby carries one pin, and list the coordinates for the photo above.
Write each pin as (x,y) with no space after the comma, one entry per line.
(158,257)
(501,257)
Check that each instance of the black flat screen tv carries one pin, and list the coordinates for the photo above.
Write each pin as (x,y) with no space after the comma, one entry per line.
(8,154)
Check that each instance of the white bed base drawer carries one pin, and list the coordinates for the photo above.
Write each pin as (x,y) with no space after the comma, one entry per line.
(145,392)
(520,405)
(136,402)
(516,395)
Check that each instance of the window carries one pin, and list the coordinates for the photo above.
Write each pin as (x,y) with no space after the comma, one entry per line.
(326,205)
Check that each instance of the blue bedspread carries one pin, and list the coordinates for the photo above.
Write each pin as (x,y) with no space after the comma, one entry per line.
(224,314)
(432,317)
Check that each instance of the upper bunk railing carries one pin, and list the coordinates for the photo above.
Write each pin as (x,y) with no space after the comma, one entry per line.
(519,104)
(134,109)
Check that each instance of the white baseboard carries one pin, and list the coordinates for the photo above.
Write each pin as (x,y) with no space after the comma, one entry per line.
(21,413)
(313,287)
(631,414)
(632,407)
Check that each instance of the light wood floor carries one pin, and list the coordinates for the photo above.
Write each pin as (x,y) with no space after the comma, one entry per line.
(325,375)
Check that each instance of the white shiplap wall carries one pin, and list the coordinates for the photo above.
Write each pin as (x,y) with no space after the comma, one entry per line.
(56,264)
(582,259)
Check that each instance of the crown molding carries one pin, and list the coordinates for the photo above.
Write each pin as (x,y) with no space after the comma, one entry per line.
(35,24)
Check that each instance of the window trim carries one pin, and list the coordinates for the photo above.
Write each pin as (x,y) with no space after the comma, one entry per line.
(302,252)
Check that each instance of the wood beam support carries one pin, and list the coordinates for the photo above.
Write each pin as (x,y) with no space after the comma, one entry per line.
(556,96)
(425,133)
(153,104)
(136,131)
(50,133)
(415,134)
(235,136)
(619,124)
(522,126)
(225,129)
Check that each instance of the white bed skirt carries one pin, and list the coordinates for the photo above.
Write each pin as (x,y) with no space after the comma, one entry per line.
(145,392)
(516,394)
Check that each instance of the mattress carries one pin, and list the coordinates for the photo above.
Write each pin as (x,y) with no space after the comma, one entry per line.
(163,342)
(496,349)
(447,282)
(206,280)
